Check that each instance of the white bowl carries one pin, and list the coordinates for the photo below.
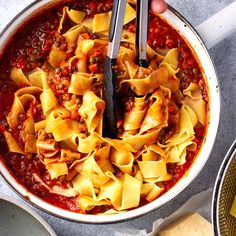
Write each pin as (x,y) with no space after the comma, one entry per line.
(18,219)
(195,42)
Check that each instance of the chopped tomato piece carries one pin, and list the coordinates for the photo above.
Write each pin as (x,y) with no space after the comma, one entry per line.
(197,141)
(171,109)
(199,131)
(169,43)
(171,78)
(149,42)
(21,63)
(30,50)
(74,114)
(92,5)
(93,68)
(2,128)
(97,53)
(47,44)
(119,122)
(85,35)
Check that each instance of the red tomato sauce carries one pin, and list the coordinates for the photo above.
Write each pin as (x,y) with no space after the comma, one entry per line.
(30,48)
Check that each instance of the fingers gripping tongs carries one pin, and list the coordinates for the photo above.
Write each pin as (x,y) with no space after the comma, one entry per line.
(109,80)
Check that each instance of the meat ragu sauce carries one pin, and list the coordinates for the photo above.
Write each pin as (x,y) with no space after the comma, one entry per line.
(30,49)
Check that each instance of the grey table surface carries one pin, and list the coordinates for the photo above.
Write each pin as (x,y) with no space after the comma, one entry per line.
(224,58)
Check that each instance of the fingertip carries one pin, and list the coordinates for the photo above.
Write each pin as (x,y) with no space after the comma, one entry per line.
(158,6)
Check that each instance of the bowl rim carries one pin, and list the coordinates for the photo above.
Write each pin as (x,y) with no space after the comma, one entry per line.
(197,166)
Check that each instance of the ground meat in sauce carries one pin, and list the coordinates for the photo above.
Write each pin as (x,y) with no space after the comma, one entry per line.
(30,49)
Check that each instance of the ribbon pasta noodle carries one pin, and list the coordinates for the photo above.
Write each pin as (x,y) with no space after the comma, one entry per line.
(56,116)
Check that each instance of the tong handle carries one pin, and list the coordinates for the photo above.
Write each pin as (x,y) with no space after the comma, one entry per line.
(115,10)
(115,32)
(142,20)
(116,27)
(109,96)
(109,79)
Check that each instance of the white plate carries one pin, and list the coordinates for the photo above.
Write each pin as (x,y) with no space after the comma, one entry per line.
(20,220)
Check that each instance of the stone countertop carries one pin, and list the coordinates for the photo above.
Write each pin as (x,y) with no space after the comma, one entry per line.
(224,58)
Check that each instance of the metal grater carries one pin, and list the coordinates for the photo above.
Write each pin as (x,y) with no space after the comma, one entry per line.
(224,193)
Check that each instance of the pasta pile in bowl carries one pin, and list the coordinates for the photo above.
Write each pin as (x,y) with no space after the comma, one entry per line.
(54,125)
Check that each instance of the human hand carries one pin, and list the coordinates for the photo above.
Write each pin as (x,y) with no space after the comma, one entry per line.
(158,6)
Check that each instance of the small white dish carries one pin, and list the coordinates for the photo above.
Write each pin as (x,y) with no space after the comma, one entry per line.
(18,219)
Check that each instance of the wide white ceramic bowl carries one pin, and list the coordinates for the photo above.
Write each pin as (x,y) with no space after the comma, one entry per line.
(197,45)
(19,219)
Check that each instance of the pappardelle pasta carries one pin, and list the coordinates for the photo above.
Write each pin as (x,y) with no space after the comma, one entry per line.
(52,121)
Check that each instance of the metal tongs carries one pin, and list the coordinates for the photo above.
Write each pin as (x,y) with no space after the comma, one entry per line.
(109,80)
